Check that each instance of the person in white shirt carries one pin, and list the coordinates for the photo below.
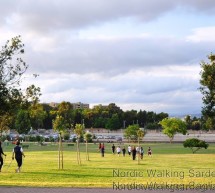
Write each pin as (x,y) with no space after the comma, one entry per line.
(18,152)
(118,150)
(129,150)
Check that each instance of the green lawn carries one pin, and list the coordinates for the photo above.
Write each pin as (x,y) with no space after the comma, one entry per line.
(40,167)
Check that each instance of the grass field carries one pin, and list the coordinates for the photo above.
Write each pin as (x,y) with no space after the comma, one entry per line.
(40,167)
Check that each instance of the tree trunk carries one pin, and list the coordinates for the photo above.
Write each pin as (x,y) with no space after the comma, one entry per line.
(59,149)
(61,154)
(138,156)
(87,154)
(78,152)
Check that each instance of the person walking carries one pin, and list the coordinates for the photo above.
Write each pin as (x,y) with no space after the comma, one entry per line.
(100,146)
(141,152)
(113,149)
(118,150)
(138,151)
(129,150)
(18,152)
(123,151)
(103,149)
(1,158)
(150,152)
(134,152)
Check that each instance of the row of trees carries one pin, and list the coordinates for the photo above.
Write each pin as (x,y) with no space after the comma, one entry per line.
(109,117)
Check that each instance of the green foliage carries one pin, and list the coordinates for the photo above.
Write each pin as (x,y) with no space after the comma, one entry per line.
(171,126)
(188,121)
(39,138)
(78,130)
(37,115)
(131,132)
(195,144)
(196,125)
(22,123)
(152,126)
(5,120)
(140,133)
(88,137)
(12,69)
(207,88)
(113,123)
(100,122)
(32,138)
(66,136)
(60,124)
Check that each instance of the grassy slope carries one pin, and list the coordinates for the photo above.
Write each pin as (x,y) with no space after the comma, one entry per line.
(40,166)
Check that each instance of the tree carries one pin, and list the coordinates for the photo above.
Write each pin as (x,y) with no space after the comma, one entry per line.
(65,110)
(61,126)
(113,123)
(188,121)
(195,144)
(131,132)
(152,126)
(207,89)
(79,132)
(5,120)
(196,125)
(87,138)
(142,117)
(171,126)
(12,69)
(22,123)
(37,115)
(130,117)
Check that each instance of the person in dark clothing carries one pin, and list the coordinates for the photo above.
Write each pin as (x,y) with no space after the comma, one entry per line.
(113,149)
(103,150)
(18,152)
(100,146)
(1,158)
(134,152)
(149,151)
(123,151)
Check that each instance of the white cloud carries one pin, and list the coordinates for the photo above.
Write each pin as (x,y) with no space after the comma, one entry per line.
(205,34)
(102,51)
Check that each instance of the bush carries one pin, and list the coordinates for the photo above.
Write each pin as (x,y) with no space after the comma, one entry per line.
(195,144)
(47,139)
(66,136)
(3,138)
(32,139)
(74,139)
(51,139)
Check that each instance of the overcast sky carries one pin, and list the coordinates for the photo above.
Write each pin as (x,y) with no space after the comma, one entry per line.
(139,54)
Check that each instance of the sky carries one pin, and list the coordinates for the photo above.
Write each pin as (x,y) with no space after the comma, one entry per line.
(138,54)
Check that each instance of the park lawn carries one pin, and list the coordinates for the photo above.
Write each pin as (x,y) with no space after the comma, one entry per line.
(40,167)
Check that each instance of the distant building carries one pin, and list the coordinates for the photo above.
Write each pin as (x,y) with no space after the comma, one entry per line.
(53,104)
(77,105)
(80,105)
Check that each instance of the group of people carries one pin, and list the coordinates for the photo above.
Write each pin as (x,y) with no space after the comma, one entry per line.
(17,154)
(132,151)
(118,150)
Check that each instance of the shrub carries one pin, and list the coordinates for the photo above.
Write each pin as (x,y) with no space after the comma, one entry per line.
(195,144)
